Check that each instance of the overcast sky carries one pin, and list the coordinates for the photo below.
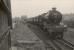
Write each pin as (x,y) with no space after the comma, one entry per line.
(35,7)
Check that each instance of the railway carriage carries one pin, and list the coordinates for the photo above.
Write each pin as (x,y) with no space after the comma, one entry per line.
(5,24)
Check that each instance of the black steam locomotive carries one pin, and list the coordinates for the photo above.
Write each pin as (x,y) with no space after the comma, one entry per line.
(54,30)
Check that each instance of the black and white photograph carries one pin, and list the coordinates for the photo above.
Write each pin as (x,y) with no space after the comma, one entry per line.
(36,24)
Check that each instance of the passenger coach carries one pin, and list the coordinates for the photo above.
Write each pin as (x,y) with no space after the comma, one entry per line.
(5,24)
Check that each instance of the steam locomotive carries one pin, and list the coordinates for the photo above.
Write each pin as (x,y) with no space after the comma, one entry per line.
(54,30)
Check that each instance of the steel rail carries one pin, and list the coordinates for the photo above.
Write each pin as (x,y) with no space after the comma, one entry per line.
(64,45)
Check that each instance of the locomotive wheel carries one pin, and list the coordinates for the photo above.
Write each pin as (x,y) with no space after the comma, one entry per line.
(60,36)
(53,35)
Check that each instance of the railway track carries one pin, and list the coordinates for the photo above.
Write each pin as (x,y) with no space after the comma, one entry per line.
(54,45)
(63,45)
(68,43)
(57,44)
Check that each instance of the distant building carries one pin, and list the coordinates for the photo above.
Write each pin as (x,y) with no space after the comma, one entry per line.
(23,18)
